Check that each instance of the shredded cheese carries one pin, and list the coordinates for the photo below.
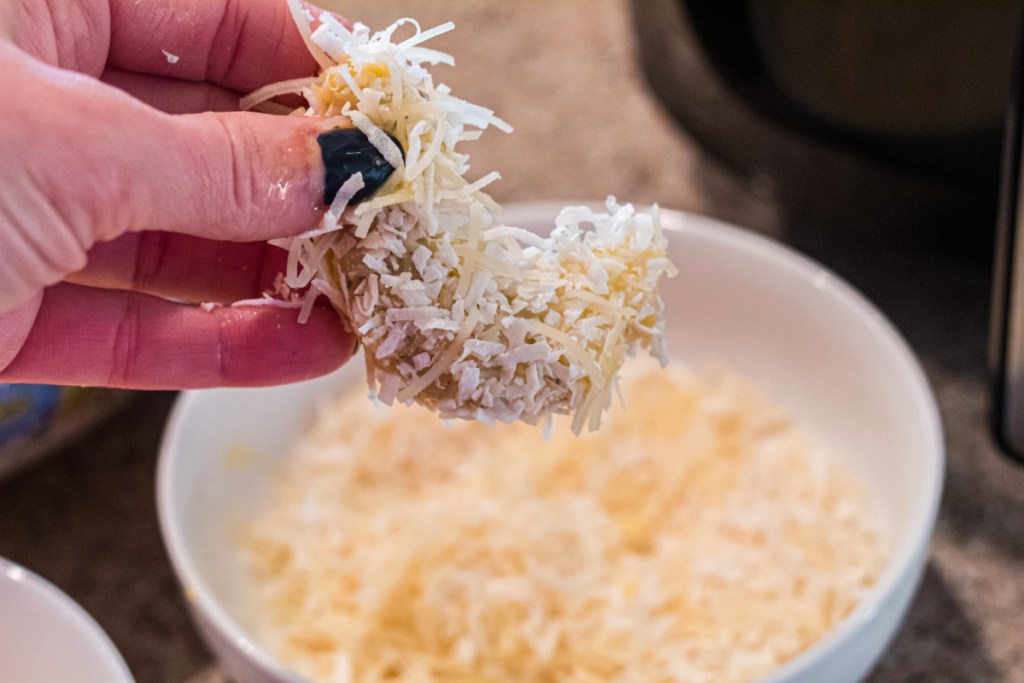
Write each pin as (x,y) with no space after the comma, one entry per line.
(701,537)
(408,267)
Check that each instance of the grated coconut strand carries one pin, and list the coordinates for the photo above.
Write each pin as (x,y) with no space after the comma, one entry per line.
(456,311)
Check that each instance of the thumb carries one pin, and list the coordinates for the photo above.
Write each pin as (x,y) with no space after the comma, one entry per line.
(238,176)
(106,163)
(85,162)
(232,176)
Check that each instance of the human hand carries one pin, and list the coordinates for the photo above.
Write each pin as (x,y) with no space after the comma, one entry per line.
(113,196)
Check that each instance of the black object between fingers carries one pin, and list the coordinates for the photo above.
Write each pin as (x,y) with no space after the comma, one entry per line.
(347,151)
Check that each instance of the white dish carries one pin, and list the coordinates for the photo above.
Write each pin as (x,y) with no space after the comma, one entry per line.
(46,637)
(771,315)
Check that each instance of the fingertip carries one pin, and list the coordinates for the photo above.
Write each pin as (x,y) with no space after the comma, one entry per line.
(267,345)
(242,176)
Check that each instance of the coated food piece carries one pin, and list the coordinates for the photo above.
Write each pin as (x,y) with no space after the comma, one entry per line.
(456,310)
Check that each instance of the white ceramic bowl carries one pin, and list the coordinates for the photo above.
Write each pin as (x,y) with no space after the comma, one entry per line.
(45,637)
(766,312)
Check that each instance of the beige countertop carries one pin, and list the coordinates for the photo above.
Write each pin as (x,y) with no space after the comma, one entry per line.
(563,73)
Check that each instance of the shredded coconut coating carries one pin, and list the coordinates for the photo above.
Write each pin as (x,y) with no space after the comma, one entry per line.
(700,537)
(457,311)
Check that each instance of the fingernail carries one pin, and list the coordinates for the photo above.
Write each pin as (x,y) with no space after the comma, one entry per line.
(345,152)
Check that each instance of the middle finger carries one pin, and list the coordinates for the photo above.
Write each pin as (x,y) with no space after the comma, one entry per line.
(182,267)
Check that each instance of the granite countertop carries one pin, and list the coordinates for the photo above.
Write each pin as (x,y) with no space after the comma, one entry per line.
(586,127)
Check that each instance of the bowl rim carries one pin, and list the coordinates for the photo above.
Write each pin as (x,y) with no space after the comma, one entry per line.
(902,565)
(63,606)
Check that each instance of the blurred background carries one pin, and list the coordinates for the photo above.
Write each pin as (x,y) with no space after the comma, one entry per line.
(830,124)
(867,133)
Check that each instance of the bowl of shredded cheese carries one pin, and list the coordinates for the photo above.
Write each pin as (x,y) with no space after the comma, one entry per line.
(757,510)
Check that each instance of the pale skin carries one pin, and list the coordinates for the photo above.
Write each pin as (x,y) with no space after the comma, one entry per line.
(115,196)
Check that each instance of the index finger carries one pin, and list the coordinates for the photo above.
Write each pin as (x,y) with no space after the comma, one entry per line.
(239,44)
